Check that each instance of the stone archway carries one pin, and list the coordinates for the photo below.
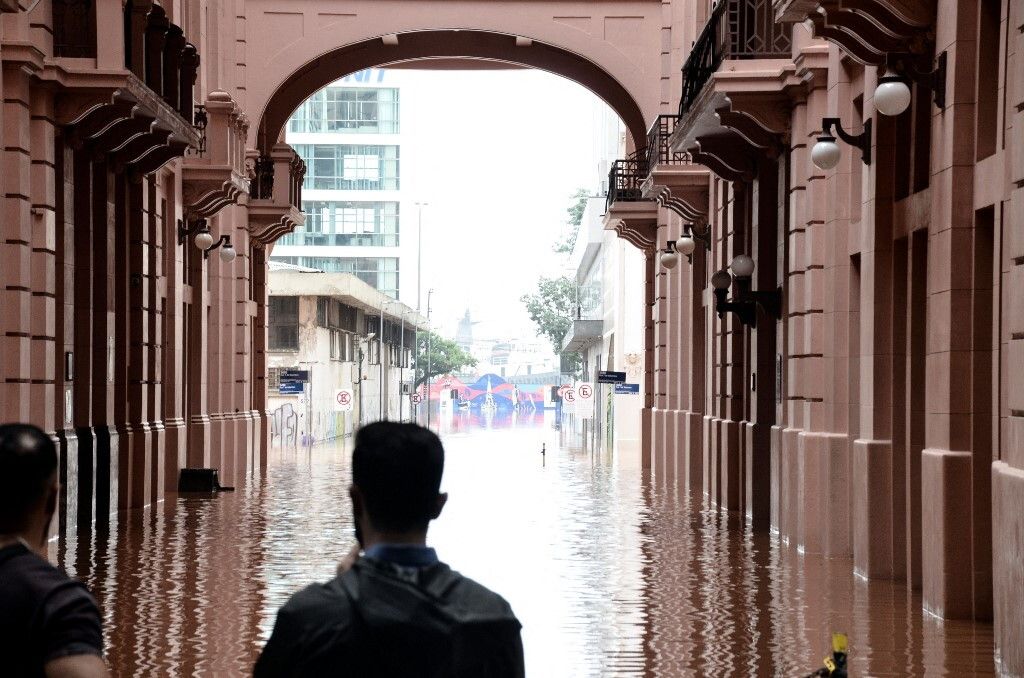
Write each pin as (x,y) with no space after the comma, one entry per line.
(612,48)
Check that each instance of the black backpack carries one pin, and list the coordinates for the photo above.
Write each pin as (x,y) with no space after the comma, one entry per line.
(404,627)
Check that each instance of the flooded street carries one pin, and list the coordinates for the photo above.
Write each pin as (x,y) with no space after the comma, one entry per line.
(610,576)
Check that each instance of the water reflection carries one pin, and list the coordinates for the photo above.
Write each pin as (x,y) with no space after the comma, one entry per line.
(610,576)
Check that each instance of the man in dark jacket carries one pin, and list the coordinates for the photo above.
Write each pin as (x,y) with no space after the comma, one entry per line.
(397,610)
(49,624)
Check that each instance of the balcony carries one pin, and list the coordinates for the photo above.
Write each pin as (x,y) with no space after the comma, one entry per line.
(736,30)
(214,175)
(625,179)
(735,85)
(581,334)
(131,102)
(275,199)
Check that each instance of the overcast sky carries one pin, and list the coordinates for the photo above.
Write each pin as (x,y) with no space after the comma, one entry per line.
(497,154)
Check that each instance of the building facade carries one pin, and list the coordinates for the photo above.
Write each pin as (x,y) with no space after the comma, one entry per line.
(360,214)
(836,355)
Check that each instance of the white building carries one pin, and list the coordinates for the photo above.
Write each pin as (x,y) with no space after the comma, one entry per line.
(361,217)
(609,333)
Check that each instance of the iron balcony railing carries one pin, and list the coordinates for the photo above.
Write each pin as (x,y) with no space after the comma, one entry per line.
(658,151)
(626,177)
(736,29)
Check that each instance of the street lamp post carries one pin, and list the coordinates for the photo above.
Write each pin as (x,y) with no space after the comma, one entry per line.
(430,292)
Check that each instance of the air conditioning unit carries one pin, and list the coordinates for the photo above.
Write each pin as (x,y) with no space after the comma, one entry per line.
(407,389)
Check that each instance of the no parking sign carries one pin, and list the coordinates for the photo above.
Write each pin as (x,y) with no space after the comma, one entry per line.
(343,400)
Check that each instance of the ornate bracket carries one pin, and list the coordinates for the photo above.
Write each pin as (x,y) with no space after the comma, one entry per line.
(861,141)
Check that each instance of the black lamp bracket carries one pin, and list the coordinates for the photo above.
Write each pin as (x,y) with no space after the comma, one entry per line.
(186,232)
(861,141)
(701,235)
(223,240)
(747,301)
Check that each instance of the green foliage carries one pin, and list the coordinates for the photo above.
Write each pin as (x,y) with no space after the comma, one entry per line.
(575,212)
(552,308)
(446,357)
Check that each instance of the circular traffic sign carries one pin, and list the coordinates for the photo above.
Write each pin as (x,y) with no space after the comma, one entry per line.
(569,396)
(416,398)
(344,397)
(562,389)
(585,391)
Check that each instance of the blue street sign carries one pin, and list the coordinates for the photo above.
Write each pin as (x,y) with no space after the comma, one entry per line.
(627,389)
(290,388)
(604,377)
(294,375)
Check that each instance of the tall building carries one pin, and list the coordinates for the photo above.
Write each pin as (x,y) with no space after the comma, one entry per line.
(356,195)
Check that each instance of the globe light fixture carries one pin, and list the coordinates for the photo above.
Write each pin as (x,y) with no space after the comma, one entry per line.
(826,153)
(742,266)
(227,253)
(892,96)
(721,280)
(669,258)
(203,239)
(686,244)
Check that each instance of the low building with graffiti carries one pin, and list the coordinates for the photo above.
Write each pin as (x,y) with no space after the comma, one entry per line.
(338,354)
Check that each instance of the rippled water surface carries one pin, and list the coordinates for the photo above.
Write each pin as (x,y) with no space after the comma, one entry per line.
(610,576)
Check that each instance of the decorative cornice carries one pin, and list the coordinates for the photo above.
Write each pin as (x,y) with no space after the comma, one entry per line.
(268,221)
(868,30)
(641,236)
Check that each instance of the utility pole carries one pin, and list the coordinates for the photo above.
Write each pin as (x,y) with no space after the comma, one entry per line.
(380,364)
(419,254)
(429,293)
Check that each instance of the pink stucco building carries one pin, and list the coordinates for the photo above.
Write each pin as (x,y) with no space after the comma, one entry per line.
(858,392)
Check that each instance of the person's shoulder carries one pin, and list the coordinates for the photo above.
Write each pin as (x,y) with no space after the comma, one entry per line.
(318,603)
(472,595)
(36,577)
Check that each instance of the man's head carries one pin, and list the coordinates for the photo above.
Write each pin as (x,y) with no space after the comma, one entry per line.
(396,477)
(28,481)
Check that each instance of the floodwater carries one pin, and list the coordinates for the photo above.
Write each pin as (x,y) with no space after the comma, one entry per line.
(610,576)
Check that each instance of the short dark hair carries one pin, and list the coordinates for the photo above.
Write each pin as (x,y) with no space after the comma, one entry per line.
(28,460)
(397,468)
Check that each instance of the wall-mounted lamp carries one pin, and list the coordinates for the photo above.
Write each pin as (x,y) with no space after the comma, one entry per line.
(746,301)
(200,232)
(203,239)
(826,153)
(227,251)
(892,95)
(686,244)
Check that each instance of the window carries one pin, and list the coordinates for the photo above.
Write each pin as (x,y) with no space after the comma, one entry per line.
(335,344)
(350,167)
(273,378)
(347,223)
(283,321)
(354,110)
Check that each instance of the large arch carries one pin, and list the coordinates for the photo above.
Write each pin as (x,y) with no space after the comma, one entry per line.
(612,48)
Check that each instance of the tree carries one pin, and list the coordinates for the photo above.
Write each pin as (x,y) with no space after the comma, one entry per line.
(445,357)
(552,308)
(575,212)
